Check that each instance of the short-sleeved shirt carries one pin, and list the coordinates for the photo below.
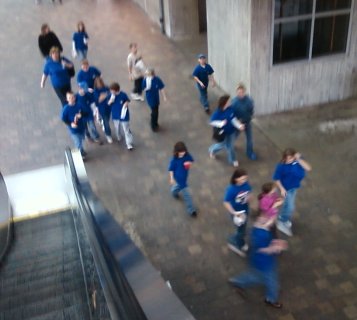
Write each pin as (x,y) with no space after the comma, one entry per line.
(228,115)
(117,107)
(58,74)
(203,73)
(153,94)
(68,115)
(88,76)
(290,175)
(85,101)
(238,196)
(180,172)
(78,38)
(243,108)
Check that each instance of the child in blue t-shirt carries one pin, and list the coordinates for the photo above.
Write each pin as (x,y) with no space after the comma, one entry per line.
(80,42)
(119,103)
(236,201)
(179,167)
(288,176)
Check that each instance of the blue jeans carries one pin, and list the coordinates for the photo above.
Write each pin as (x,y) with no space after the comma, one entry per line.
(288,206)
(203,96)
(228,144)
(91,130)
(253,277)
(78,139)
(237,239)
(175,189)
(249,138)
(81,54)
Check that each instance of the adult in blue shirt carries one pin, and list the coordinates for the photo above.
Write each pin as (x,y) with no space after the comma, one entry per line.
(152,86)
(243,107)
(72,115)
(88,74)
(202,73)
(57,68)
(80,41)
(224,119)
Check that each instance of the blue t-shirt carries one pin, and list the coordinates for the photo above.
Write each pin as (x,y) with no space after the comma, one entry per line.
(68,114)
(88,76)
(85,102)
(103,107)
(78,38)
(117,106)
(238,196)
(202,73)
(153,95)
(243,108)
(180,172)
(261,238)
(59,74)
(290,175)
(227,115)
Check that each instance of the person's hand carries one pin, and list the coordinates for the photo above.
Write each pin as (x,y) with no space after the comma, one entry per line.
(74,125)
(78,115)
(280,244)
(297,156)
(165,98)
(202,85)
(172,181)
(283,192)
(213,83)
(242,127)
(90,90)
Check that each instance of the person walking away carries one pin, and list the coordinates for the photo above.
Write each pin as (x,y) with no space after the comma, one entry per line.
(153,86)
(179,167)
(288,176)
(80,42)
(136,69)
(202,74)
(223,119)
(243,106)
(119,103)
(48,39)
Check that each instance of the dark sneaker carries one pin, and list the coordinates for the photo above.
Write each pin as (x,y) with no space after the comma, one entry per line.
(207,110)
(276,304)
(236,250)
(193,214)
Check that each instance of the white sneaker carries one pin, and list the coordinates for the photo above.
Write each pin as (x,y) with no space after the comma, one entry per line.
(284,228)
(237,250)
(109,139)
(235,164)
(135,96)
(141,97)
(245,248)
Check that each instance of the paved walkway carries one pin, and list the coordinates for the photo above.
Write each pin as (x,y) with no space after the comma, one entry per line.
(318,273)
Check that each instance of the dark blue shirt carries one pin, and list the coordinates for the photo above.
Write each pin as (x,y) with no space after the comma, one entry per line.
(261,238)
(85,101)
(227,115)
(180,172)
(68,114)
(59,74)
(243,108)
(78,38)
(117,106)
(103,107)
(88,76)
(153,95)
(202,73)
(290,175)
(238,196)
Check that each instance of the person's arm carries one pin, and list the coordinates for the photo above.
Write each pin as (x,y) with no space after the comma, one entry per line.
(275,247)
(163,93)
(218,123)
(57,42)
(41,46)
(43,80)
(74,51)
(199,82)
(303,162)
(171,178)
(237,124)
(281,188)
(231,210)
(213,81)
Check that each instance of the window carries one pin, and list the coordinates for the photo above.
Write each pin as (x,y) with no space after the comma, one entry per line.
(305,29)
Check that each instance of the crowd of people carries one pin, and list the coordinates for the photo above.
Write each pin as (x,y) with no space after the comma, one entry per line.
(96,104)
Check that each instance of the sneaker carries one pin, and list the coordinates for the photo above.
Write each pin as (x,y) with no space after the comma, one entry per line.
(236,250)
(207,110)
(276,304)
(135,96)
(245,248)
(235,164)
(130,148)
(98,141)
(193,214)
(141,97)
(109,139)
(284,228)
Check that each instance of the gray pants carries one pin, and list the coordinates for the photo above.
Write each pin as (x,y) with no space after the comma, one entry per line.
(123,126)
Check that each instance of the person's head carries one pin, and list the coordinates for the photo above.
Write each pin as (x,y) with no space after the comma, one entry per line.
(114,87)
(98,83)
(82,88)
(180,149)
(85,65)
(239,176)
(81,27)
(45,28)
(71,98)
(150,72)
(223,101)
(288,155)
(267,187)
(201,59)
(241,89)
(133,47)
(55,53)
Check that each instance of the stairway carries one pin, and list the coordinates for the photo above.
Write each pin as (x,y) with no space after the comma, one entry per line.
(41,277)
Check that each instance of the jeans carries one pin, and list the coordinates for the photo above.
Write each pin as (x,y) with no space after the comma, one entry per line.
(61,93)
(123,126)
(78,139)
(106,125)
(237,239)
(253,277)
(138,86)
(203,96)
(228,144)
(249,138)
(288,206)
(175,189)
(81,54)
(91,130)
(154,117)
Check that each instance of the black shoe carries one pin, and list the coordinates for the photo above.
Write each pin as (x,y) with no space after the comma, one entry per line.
(207,110)
(276,304)
(193,214)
